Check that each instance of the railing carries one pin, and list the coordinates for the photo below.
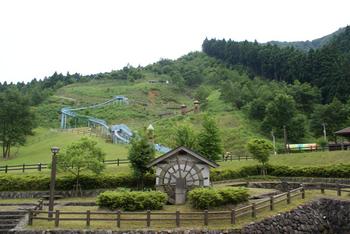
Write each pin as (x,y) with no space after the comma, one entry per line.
(234,157)
(176,218)
(40,166)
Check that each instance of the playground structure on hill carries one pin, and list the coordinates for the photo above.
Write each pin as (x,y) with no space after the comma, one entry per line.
(118,134)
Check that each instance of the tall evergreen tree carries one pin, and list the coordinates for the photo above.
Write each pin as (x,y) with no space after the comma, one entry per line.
(209,141)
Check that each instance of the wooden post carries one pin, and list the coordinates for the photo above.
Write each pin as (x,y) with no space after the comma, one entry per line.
(5,168)
(322,188)
(118,218)
(118,162)
(288,197)
(30,218)
(239,157)
(39,166)
(148,218)
(177,216)
(271,203)
(23,167)
(302,193)
(338,190)
(233,216)
(206,217)
(253,210)
(57,218)
(88,218)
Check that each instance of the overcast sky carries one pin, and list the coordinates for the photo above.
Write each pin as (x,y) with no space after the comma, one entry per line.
(39,37)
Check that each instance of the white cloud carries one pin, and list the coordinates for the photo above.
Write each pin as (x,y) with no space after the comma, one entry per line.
(39,37)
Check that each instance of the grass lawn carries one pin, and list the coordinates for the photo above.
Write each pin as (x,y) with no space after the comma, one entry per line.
(296,160)
(37,148)
(222,223)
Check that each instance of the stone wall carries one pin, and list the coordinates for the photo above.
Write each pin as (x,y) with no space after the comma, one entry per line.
(322,216)
(40,194)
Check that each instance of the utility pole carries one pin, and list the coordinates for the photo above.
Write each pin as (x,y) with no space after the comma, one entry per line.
(54,151)
(324,132)
(273,142)
(285,138)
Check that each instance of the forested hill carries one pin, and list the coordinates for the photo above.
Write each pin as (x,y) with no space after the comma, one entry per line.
(307,45)
(328,68)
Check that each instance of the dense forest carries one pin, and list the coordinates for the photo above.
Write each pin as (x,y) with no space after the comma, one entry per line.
(326,68)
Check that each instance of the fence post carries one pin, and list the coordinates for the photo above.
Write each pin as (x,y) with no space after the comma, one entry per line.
(206,217)
(30,218)
(233,216)
(177,216)
(239,157)
(39,166)
(5,168)
(322,188)
(88,218)
(288,197)
(23,167)
(338,190)
(302,193)
(57,218)
(271,203)
(246,157)
(118,218)
(253,210)
(148,218)
(117,161)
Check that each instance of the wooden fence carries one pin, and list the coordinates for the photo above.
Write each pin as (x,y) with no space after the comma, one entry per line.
(40,166)
(176,218)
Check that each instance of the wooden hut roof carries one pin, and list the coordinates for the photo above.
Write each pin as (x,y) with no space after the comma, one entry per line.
(178,150)
(344,132)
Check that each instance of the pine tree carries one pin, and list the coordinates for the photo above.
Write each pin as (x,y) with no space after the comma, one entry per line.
(140,154)
(209,141)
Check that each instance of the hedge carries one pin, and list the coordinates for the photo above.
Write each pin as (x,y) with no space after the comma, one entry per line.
(334,171)
(25,182)
(204,198)
(42,182)
(135,200)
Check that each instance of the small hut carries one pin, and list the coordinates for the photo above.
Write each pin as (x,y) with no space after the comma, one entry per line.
(181,170)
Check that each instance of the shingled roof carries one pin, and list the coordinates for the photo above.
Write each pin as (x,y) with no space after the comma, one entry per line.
(344,132)
(188,151)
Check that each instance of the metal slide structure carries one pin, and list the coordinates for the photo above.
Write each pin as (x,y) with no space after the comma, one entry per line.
(119,133)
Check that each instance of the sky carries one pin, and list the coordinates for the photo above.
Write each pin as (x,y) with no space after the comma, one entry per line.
(39,37)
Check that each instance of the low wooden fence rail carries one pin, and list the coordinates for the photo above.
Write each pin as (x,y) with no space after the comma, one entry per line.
(40,166)
(176,218)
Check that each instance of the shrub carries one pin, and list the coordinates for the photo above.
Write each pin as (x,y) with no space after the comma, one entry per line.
(135,200)
(204,198)
(10,182)
(233,195)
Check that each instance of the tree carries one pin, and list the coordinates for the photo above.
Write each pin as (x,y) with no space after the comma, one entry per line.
(335,115)
(140,154)
(16,120)
(184,136)
(80,157)
(281,111)
(209,141)
(260,150)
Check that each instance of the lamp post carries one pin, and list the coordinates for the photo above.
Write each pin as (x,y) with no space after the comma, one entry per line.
(54,151)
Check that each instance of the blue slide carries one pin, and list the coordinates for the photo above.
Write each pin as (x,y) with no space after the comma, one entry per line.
(119,133)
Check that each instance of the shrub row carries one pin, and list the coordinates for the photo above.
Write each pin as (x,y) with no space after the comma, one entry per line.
(10,182)
(25,182)
(335,171)
(204,198)
(135,200)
